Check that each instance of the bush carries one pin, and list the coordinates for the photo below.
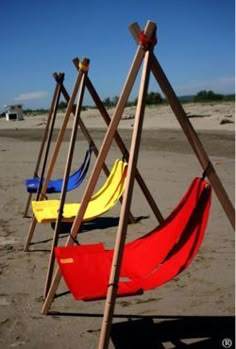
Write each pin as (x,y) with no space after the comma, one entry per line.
(152,98)
(205,96)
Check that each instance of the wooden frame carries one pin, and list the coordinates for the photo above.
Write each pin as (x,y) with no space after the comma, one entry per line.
(59,140)
(150,64)
(121,146)
(47,136)
(111,131)
(125,153)
(42,191)
(123,223)
(65,182)
(150,60)
(189,131)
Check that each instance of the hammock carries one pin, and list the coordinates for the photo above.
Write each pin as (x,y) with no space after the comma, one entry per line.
(55,185)
(148,262)
(47,211)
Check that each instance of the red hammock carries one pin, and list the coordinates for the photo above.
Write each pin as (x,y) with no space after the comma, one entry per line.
(148,262)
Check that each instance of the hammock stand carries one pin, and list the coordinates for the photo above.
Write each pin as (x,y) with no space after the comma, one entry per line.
(82,67)
(46,140)
(103,200)
(55,185)
(149,261)
(144,54)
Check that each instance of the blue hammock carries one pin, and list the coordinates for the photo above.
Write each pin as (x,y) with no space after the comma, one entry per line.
(55,185)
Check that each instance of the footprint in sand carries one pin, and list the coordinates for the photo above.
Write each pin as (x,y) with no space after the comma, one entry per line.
(4,300)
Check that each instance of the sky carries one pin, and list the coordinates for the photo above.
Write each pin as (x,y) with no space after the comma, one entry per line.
(196,46)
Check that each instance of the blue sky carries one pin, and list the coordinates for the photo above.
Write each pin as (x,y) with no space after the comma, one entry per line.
(195,45)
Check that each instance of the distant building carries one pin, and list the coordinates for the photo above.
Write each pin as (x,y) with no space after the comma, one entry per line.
(14,112)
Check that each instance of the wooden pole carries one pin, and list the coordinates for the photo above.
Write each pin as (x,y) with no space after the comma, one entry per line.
(149,29)
(189,132)
(86,132)
(55,154)
(65,183)
(91,142)
(51,116)
(59,78)
(122,147)
(122,228)
(103,112)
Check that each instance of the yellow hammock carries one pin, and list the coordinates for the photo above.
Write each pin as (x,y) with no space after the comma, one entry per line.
(47,211)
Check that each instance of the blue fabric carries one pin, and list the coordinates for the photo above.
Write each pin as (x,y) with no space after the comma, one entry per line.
(55,185)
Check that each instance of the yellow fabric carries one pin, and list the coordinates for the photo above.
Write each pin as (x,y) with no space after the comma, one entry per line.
(46,211)
(83,67)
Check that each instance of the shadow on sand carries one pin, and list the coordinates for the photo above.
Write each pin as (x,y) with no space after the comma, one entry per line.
(185,332)
(97,223)
(167,331)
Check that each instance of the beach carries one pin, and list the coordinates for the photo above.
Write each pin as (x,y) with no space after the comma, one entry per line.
(195,305)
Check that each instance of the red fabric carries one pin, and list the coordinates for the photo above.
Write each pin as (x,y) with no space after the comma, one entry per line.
(148,262)
(147,43)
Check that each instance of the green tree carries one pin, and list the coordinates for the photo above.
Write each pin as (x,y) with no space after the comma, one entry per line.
(107,102)
(205,96)
(114,100)
(152,98)
(62,105)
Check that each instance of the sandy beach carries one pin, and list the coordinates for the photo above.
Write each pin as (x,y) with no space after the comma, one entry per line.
(196,308)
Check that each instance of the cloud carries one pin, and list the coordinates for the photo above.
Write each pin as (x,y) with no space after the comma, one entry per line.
(31,96)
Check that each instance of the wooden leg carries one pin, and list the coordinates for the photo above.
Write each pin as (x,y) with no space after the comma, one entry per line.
(55,153)
(51,292)
(64,187)
(27,205)
(105,116)
(122,228)
(51,116)
(30,234)
(194,141)
(189,131)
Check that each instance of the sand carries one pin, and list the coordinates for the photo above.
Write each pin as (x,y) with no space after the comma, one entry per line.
(197,306)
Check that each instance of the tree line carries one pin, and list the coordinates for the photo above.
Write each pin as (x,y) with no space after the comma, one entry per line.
(153,98)
(156,98)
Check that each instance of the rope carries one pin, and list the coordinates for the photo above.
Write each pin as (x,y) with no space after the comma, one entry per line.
(125,156)
(74,239)
(147,43)
(206,171)
(83,67)
(112,284)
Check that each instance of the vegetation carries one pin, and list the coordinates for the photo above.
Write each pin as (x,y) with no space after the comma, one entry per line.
(63,105)
(229,98)
(206,96)
(153,98)
(30,112)
(110,102)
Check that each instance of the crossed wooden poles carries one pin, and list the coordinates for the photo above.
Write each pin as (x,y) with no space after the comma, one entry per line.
(150,63)
(145,55)
(46,140)
(84,82)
